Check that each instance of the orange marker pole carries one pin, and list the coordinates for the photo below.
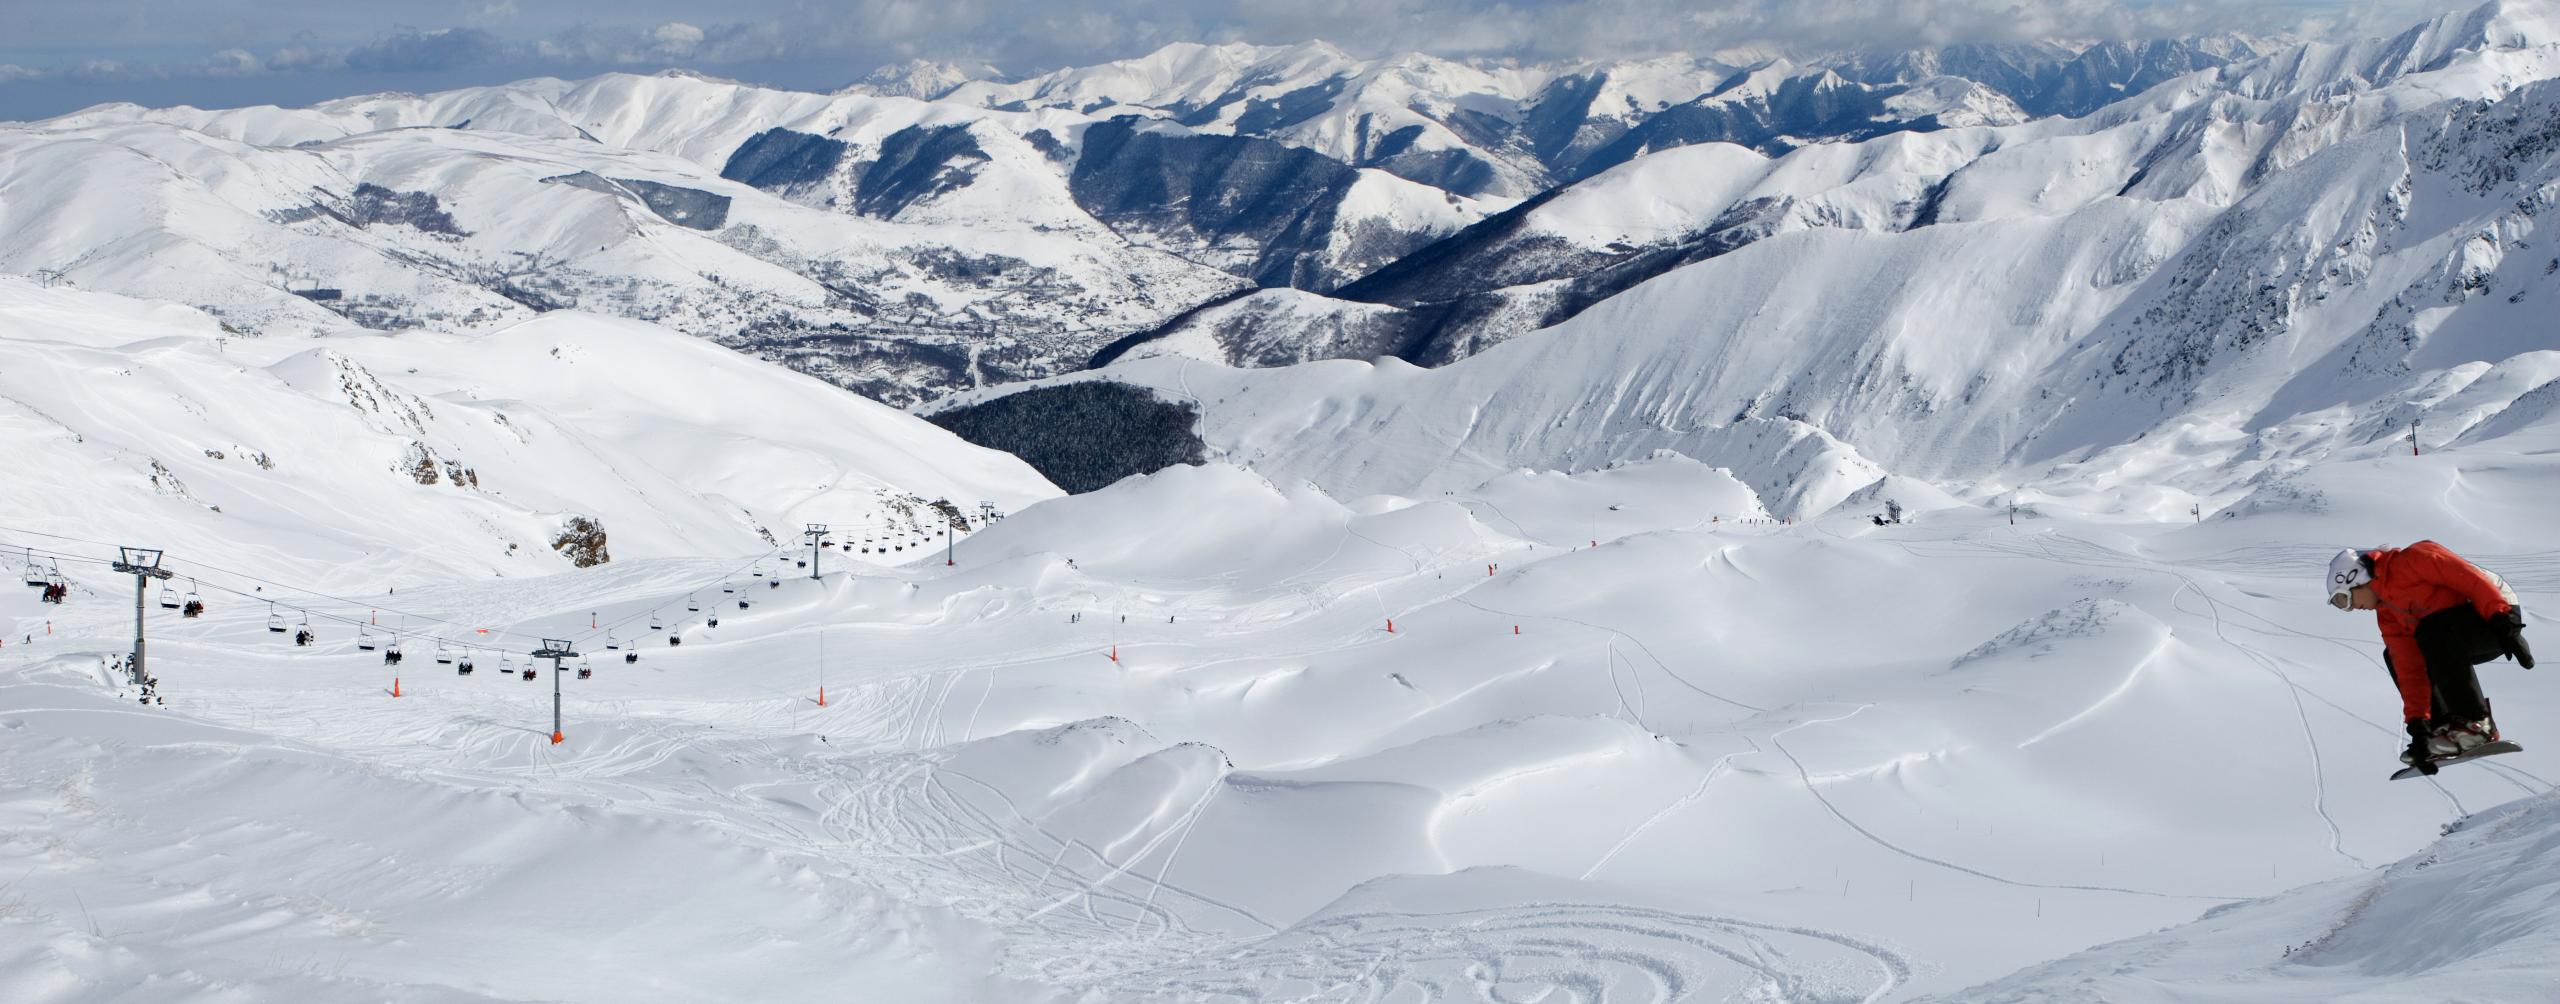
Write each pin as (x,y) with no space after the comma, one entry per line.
(1391,625)
(395,686)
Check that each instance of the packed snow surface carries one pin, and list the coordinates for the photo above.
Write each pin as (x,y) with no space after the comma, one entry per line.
(1608,736)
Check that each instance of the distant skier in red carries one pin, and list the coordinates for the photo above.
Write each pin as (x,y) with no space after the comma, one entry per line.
(2440,616)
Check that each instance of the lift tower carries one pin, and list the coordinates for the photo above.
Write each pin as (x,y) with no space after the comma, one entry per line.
(144,565)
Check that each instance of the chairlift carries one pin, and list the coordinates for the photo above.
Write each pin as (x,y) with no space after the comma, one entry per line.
(585,669)
(528,671)
(168,598)
(275,621)
(727,589)
(444,655)
(742,604)
(802,563)
(194,605)
(653,623)
(463,667)
(364,640)
(506,665)
(690,606)
(631,656)
(35,575)
(712,621)
(612,642)
(392,651)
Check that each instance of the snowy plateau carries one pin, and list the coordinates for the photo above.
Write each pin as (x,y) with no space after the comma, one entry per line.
(1525,635)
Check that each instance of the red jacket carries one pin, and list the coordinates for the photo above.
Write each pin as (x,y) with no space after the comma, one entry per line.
(2408,584)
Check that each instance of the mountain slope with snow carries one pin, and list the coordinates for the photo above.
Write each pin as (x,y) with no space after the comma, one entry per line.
(362,459)
(1201,735)
(2065,296)
(2468,918)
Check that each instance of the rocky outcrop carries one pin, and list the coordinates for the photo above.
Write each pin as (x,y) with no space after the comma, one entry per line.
(581,540)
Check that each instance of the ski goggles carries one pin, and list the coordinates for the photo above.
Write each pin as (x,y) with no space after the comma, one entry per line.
(2344,599)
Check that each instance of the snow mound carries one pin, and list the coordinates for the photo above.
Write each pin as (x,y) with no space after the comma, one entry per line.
(2467,918)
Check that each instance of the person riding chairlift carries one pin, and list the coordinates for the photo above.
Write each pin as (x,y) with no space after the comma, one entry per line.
(2440,615)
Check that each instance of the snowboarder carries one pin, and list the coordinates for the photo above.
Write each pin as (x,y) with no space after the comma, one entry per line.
(2440,615)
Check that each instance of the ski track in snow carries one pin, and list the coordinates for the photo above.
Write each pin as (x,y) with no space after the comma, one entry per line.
(1806,778)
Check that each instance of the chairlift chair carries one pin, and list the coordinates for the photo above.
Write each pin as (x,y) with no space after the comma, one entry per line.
(612,642)
(528,671)
(713,621)
(444,655)
(364,640)
(35,575)
(585,669)
(275,621)
(194,604)
(463,667)
(690,606)
(168,598)
(742,604)
(653,623)
(393,650)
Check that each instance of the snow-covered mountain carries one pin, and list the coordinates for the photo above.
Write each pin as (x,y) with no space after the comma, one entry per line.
(2189,150)
(892,246)
(2261,264)
(1505,131)
(366,459)
(1576,667)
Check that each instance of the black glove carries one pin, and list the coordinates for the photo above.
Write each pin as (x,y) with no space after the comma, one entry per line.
(2509,627)
(2420,730)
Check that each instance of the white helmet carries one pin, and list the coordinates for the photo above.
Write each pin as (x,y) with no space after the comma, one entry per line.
(2347,571)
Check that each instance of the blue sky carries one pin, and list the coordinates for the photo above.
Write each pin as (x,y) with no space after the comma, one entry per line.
(61,56)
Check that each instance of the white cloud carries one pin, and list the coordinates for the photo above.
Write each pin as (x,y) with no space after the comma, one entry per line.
(676,39)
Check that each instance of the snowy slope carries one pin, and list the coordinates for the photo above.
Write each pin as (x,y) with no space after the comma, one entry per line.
(1158,742)
(524,224)
(874,241)
(2466,918)
(369,459)
(2073,302)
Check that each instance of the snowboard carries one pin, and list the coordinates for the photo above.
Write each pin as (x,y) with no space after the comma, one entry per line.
(2476,752)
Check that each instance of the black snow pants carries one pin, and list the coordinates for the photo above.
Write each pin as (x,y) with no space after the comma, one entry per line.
(2453,640)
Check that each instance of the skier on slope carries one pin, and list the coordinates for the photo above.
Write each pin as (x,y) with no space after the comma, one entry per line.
(2440,615)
